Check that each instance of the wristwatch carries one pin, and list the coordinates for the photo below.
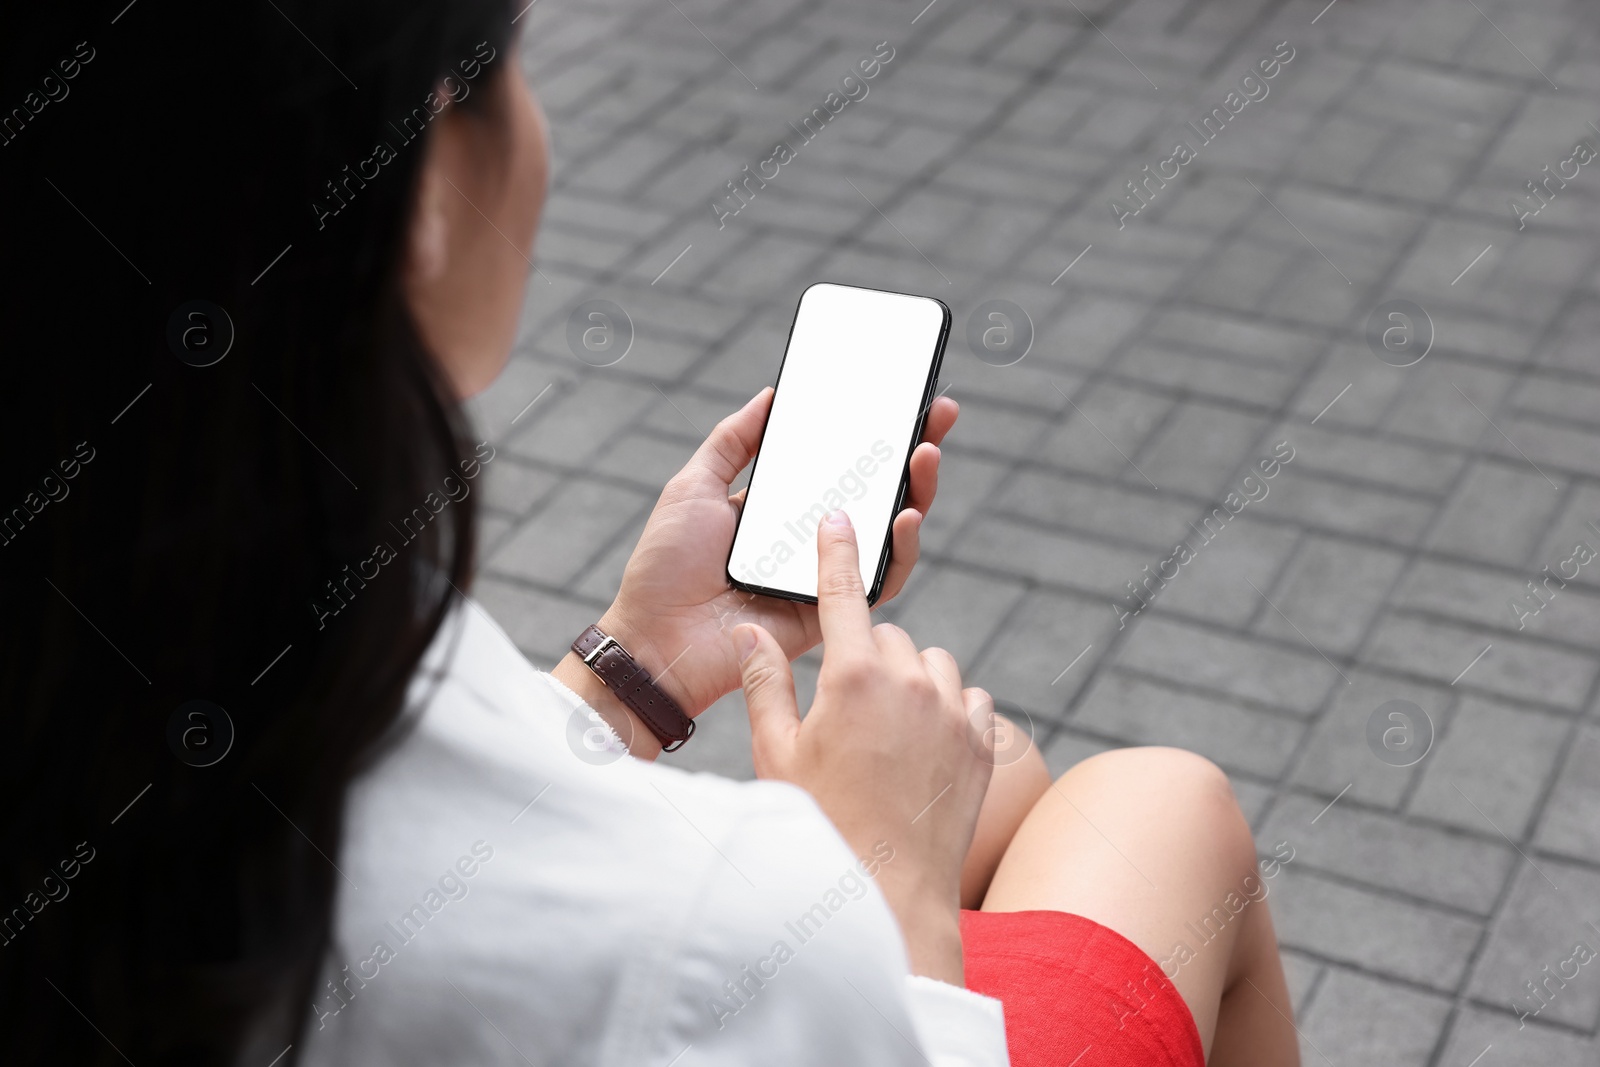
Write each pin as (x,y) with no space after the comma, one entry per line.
(622,674)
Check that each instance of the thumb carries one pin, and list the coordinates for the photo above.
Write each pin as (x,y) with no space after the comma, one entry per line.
(769,694)
(733,442)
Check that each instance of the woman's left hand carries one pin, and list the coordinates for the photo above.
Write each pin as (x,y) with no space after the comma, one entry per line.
(676,611)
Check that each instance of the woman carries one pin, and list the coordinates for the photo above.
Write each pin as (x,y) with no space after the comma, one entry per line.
(277,791)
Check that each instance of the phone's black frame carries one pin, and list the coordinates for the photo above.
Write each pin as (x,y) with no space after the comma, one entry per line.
(905,473)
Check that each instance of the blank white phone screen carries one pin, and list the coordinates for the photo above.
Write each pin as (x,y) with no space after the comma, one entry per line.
(848,399)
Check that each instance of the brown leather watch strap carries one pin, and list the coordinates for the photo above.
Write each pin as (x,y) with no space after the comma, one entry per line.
(621,673)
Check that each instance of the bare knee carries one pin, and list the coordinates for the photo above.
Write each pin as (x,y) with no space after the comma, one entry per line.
(1192,792)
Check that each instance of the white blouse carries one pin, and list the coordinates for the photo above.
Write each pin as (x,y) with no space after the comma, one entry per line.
(515,889)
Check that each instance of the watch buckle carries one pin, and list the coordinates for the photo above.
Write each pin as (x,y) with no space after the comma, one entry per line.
(606,642)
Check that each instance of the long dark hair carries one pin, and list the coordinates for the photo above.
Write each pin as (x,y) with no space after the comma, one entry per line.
(178,538)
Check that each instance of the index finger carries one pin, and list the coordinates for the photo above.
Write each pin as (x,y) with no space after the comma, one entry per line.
(841,601)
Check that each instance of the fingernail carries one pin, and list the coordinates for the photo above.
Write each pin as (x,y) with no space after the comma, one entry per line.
(838,518)
(744,642)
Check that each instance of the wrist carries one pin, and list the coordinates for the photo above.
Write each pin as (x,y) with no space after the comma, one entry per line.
(931,927)
(655,654)
(572,672)
(584,679)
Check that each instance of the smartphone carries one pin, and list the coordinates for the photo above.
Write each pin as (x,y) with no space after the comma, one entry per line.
(853,392)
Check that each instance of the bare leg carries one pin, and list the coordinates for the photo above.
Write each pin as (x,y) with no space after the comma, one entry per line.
(1151,843)
(1020,779)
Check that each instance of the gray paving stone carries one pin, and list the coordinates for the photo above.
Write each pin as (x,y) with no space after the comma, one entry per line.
(492,529)
(523,380)
(1243,273)
(1198,446)
(1516,668)
(568,532)
(1541,446)
(1487,772)
(965,481)
(954,610)
(1316,500)
(1350,389)
(1217,583)
(1302,973)
(1362,1021)
(1137,711)
(1229,664)
(603,577)
(1121,513)
(1006,429)
(1379,932)
(1089,328)
(1549,912)
(1329,594)
(646,458)
(1366,457)
(514,487)
(724,729)
(1235,335)
(1433,407)
(1012,547)
(1221,378)
(1573,524)
(1496,513)
(1547,394)
(1514,1042)
(1483,596)
(1573,346)
(541,626)
(1337,754)
(570,425)
(1384,851)
(1571,820)
(1038,642)
(1106,427)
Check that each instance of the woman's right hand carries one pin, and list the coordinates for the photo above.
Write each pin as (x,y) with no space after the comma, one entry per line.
(893,749)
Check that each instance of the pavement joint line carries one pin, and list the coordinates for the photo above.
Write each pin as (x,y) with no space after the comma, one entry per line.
(1513,44)
(1112,43)
(1301,232)
(1502,433)
(1297,630)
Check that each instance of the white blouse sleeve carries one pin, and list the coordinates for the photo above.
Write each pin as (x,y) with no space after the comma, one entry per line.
(791,957)
(958,1028)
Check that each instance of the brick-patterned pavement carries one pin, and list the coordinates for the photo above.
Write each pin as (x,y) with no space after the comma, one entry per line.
(1228,315)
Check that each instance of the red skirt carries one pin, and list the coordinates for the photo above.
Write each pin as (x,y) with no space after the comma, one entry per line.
(1069,985)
